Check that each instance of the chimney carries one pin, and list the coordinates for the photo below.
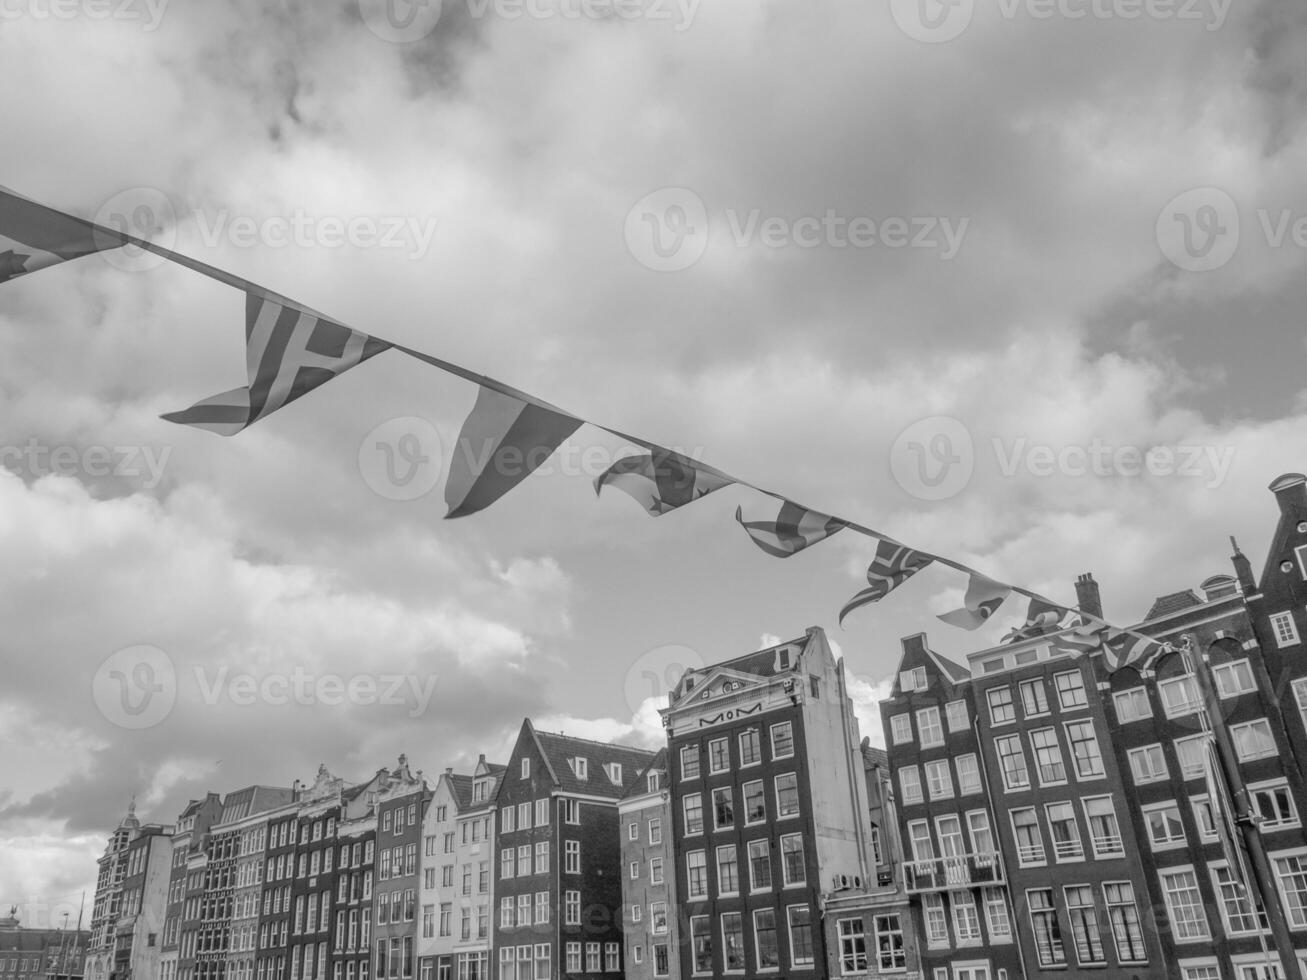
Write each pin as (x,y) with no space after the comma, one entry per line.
(1291,493)
(1243,569)
(1087,595)
(449,770)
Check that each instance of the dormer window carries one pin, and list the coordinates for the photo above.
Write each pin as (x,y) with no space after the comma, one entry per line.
(653,782)
(479,791)
(581,768)
(615,773)
(783,658)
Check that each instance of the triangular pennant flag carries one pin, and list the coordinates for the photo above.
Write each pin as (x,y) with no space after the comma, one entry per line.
(1079,640)
(983,597)
(288,353)
(793,529)
(34,237)
(502,442)
(1122,649)
(659,480)
(893,565)
(1042,615)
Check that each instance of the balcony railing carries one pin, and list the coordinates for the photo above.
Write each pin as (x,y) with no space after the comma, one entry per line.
(1108,846)
(1068,850)
(943,873)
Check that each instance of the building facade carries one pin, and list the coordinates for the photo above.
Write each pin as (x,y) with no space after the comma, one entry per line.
(558,877)
(769,809)
(401,803)
(456,893)
(40,953)
(649,876)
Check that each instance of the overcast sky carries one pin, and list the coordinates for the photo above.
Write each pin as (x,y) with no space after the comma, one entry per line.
(940,270)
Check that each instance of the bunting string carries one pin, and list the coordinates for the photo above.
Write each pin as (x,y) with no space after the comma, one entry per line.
(292,348)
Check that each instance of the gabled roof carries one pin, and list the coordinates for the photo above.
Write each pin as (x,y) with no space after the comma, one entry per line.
(873,756)
(640,785)
(1172,603)
(558,750)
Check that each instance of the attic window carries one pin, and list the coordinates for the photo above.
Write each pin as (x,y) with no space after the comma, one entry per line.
(912,680)
(783,658)
(615,773)
(479,790)
(581,768)
(653,782)
(526,768)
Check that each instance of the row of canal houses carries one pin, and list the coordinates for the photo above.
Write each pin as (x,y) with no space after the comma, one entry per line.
(1039,813)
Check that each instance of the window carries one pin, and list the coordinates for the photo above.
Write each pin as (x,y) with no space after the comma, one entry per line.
(750,747)
(787,795)
(1147,764)
(939,779)
(936,919)
(542,815)
(1204,818)
(1065,832)
(1084,925)
(1192,753)
(526,768)
(1274,804)
(573,957)
(968,774)
(689,762)
(901,728)
(932,733)
(919,835)
(1179,696)
(700,944)
(800,919)
(523,868)
(692,807)
(1165,831)
(912,680)
(506,863)
(1012,760)
(1201,971)
(635,870)
(660,959)
(966,920)
(766,948)
(719,756)
(1253,740)
(633,830)
(1132,705)
(1236,906)
(728,876)
(612,957)
(696,878)
(755,802)
(782,740)
(1085,754)
(658,917)
(524,816)
(592,952)
(910,782)
(1233,679)
(581,767)
(571,908)
(759,866)
(542,913)
(1000,923)
(1123,918)
(792,865)
(959,719)
(982,838)
(1104,831)
(1070,690)
(723,807)
(853,945)
(732,942)
(572,857)
(1184,904)
(1030,842)
(656,830)
(542,857)
(1048,934)
(1291,874)
(1048,756)
(1034,698)
(1286,632)
(1000,705)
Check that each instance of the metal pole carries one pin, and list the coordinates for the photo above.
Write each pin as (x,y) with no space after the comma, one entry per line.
(1245,820)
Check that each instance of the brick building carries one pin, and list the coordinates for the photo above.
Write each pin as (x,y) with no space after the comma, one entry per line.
(28,953)
(649,875)
(558,877)
(189,835)
(769,808)
(401,803)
